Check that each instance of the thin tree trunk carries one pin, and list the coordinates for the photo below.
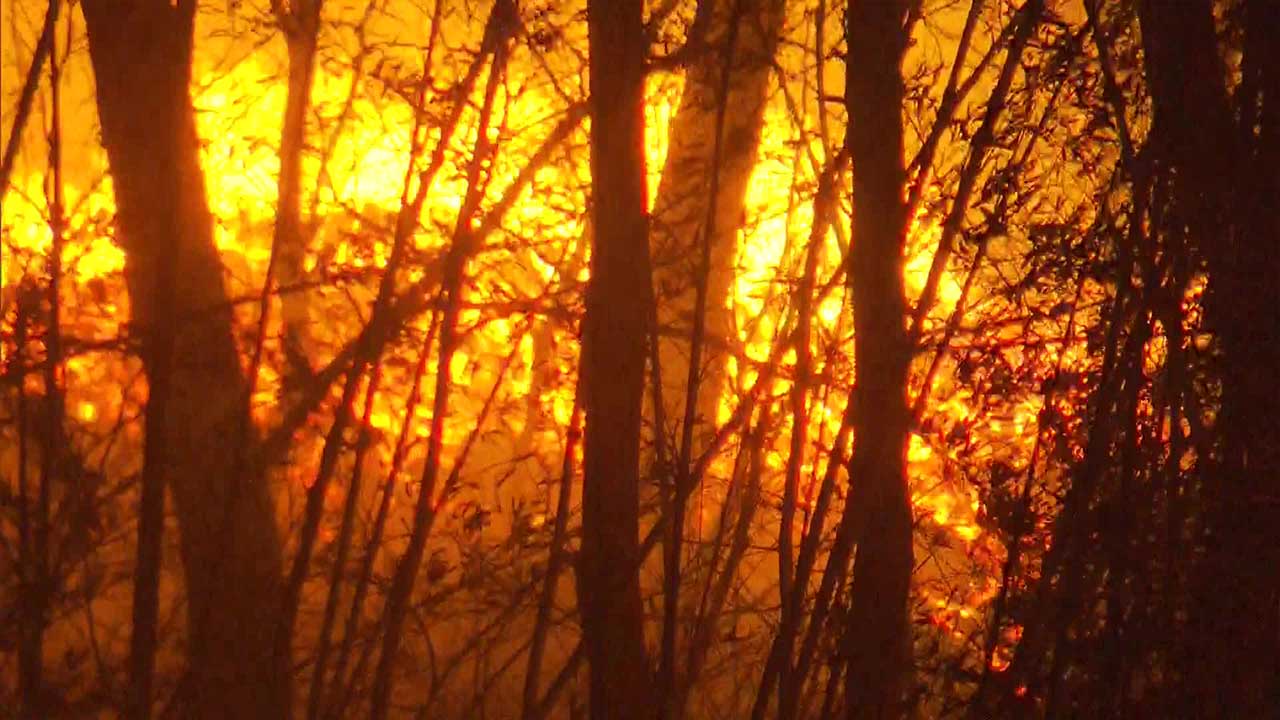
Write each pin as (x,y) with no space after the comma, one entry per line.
(301,27)
(983,140)
(36,595)
(35,581)
(824,207)
(498,30)
(333,593)
(340,696)
(30,588)
(44,46)
(555,564)
(877,644)
(719,587)
(612,366)
(141,55)
(793,579)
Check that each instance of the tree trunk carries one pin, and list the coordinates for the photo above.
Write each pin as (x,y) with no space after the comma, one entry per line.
(877,644)
(612,366)
(141,55)
(301,29)
(682,209)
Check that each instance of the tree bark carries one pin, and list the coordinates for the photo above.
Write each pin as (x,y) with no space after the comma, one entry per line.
(612,366)
(877,644)
(141,56)
(301,28)
(684,207)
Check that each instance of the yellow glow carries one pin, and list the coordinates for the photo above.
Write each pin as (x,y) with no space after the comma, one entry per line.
(361,184)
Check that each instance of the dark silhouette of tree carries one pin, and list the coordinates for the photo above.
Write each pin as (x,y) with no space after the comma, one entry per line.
(877,644)
(141,54)
(1155,591)
(614,331)
(1219,153)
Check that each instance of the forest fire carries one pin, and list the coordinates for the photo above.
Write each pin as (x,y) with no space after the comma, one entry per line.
(705,358)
